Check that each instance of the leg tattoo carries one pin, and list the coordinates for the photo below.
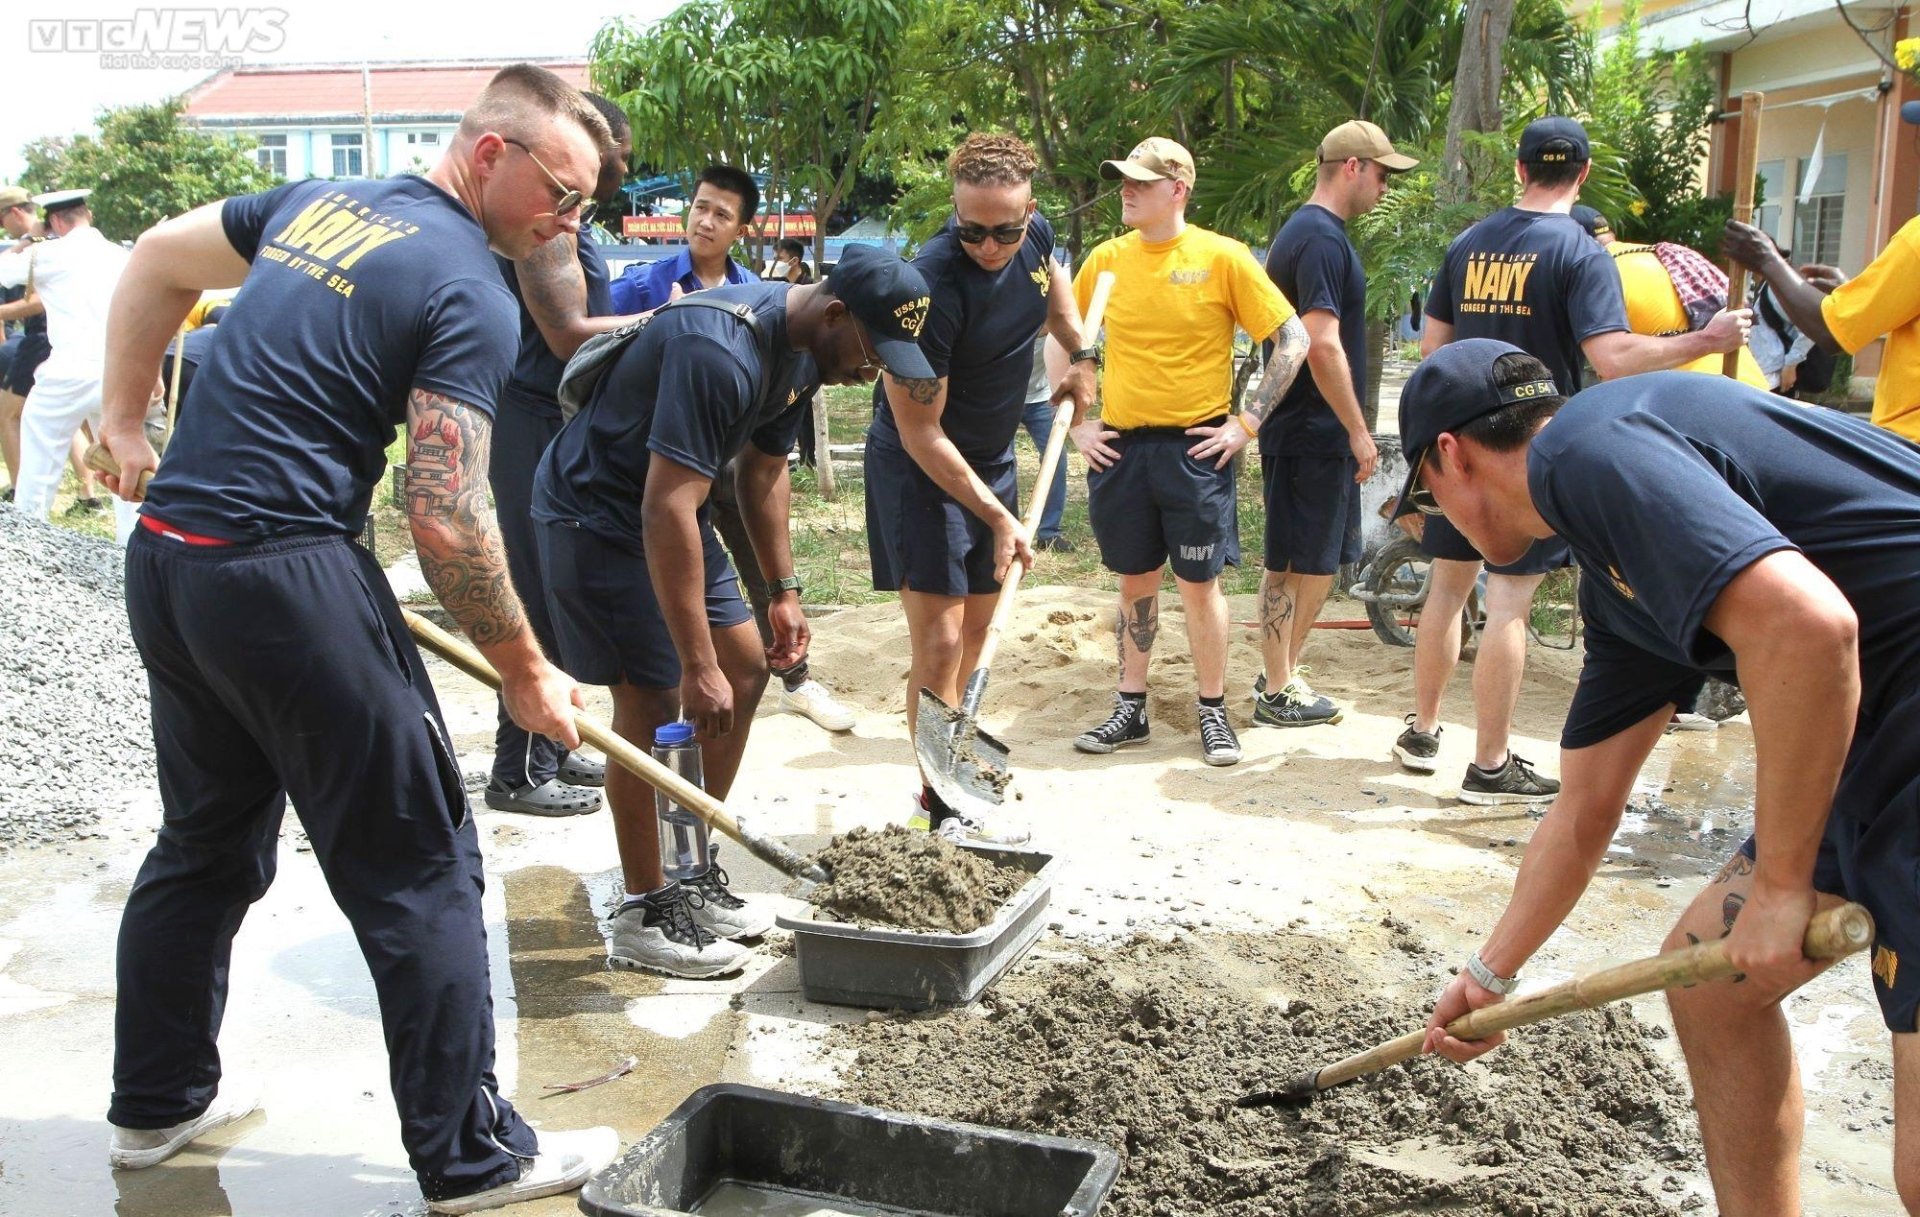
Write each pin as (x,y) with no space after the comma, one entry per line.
(1144,624)
(1276,612)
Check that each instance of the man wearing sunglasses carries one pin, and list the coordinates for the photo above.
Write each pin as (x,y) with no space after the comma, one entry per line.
(1529,275)
(942,491)
(1160,486)
(277,662)
(642,595)
(1721,529)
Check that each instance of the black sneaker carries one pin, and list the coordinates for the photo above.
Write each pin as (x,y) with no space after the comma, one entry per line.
(1059,545)
(1418,750)
(1294,706)
(1218,744)
(1513,782)
(1127,725)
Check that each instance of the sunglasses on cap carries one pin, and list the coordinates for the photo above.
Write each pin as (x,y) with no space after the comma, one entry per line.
(569,200)
(1004,234)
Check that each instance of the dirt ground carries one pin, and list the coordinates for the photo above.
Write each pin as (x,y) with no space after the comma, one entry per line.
(1265,917)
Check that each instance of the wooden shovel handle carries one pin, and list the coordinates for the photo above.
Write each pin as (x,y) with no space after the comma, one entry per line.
(1049,466)
(621,752)
(1746,167)
(1832,934)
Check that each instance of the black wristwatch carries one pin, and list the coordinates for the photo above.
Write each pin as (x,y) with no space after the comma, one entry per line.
(789,584)
(1084,354)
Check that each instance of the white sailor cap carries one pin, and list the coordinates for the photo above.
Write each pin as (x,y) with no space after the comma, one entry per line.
(59,199)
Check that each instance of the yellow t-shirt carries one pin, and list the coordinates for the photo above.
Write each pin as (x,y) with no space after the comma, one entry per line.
(1885,299)
(1170,323)
(1654,308)
(197,315)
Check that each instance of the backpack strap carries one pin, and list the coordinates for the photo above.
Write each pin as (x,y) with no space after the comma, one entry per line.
(590,363)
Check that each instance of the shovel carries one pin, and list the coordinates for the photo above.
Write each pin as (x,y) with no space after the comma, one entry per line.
(650,771)
(965,766)
(1833,934)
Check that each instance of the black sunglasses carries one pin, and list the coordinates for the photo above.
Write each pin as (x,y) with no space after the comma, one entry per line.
(569,200)
(1005,234)
(1418,495)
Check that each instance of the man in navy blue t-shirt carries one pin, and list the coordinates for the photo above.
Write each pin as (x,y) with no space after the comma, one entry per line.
(1529,275)
(1315,448)
(942,492)
(1720,529)
(562,291)
(642,597)
(277,661)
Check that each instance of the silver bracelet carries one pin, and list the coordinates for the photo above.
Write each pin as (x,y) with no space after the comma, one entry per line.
(1484,977)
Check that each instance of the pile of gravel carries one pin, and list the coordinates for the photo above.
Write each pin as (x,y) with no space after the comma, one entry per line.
(73,696)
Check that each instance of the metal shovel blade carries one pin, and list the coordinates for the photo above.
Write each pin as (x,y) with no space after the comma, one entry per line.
(965,766)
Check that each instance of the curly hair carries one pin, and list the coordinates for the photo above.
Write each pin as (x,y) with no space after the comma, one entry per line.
(989,158)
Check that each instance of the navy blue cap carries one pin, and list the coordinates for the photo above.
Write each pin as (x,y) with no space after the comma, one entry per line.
(890,299)
(672,733)
(1592,220)
(1452,387)
(1552,141)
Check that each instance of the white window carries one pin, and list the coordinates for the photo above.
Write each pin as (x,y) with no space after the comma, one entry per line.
(1773,190)
(272,154)
(347,158)
(429,138)
(1816,222)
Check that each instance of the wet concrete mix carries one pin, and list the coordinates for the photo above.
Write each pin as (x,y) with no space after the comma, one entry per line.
(911,880)
(1145,1045)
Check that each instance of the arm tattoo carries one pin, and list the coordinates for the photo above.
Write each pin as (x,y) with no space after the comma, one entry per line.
(452,517)
(1289,354)
(1276,611)
(921,392)
(552,284)
(1737,866)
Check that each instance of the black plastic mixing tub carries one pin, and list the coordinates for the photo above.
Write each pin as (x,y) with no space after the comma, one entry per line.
(862,1158)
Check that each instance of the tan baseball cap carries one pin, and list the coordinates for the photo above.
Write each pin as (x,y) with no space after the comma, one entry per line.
(13,196)
(1362,140)
(1153,159)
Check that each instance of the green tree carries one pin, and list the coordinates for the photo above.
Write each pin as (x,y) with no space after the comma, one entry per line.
(793,88)
(143,165)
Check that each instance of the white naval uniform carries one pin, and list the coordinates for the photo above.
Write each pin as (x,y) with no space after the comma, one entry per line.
(74,277)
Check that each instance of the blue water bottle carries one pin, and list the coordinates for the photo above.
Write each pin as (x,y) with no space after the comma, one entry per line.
(683,835)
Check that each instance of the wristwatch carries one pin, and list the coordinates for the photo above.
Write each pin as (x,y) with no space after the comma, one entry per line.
(789,584)
(1484,977)
(1084,354)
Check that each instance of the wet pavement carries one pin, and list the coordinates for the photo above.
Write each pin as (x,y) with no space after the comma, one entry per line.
(1173,856)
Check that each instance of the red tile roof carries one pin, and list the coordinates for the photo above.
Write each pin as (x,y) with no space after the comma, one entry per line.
(327,90)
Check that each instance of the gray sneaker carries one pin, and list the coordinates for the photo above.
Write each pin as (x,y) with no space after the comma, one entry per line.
(1296,705)
(659,933)
(1418,750)
(1513,782)
(720,912)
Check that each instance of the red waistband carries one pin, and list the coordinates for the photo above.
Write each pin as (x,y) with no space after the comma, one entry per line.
(157,525)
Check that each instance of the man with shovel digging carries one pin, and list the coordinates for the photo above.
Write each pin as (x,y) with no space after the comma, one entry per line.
(1797,559)
(642,596)
(941,486)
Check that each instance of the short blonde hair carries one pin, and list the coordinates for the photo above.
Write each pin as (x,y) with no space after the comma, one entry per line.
(993,158)
(521,96)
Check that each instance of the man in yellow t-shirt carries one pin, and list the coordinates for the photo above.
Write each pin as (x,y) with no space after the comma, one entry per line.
(1884,299)
(1160,486)
(1653,301)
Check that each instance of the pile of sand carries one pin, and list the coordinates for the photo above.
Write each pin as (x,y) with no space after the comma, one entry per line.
(911,880)
(1145,1047)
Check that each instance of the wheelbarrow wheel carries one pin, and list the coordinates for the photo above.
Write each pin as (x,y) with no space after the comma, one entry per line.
(1400,570)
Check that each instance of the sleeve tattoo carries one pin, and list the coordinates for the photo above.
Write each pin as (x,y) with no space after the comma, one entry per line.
(552,284)
(1289,355)
(920,392)
(452,517)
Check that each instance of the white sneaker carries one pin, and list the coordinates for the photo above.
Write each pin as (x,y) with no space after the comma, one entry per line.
(813,700)
(964,829)
(135,1149)
(1688,721)
(720,912)
(565,1160)
(658,933)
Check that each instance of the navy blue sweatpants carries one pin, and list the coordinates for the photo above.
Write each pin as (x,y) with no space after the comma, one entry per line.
(523,426)
(283,670)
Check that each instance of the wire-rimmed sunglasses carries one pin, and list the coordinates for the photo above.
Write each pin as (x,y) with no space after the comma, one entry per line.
(1418,495)
(570,199)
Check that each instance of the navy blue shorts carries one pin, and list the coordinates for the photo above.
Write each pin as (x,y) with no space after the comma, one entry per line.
(27,358)
(919,537)
(1313,512)
(605,618)
(1157,506)
(1871,853)
(1440,539)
